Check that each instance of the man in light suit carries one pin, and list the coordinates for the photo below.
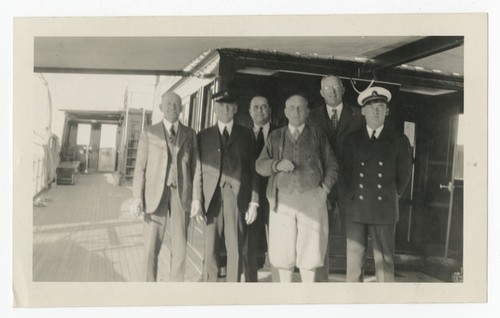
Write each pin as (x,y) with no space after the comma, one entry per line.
(377,169)
(337,119)
(167,158)
(230,188)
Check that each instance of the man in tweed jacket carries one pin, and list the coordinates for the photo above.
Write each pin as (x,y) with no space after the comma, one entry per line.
(302,169)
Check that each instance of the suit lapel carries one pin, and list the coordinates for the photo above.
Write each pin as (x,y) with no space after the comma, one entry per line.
(159,130)
(235,134)
(365,145)
(345,119)
(383,143)
(181,137)
(215,137)
(369,149)
(326,119)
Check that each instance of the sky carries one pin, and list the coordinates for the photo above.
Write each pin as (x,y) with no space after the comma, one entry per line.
(96,92)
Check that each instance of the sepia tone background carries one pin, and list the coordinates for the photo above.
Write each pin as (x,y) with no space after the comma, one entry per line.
(29,294)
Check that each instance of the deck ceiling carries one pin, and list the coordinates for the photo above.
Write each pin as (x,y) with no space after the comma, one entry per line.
(164,55)
(87,116)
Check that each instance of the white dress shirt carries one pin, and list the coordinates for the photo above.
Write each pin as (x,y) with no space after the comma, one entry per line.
(168,124)
(229,127)
(292,129)
(265,130)
(377,131)
(330,109)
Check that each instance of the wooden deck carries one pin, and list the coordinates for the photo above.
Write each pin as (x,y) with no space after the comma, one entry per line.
(82,235)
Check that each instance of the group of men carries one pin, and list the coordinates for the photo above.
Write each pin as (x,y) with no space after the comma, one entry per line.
(285,182)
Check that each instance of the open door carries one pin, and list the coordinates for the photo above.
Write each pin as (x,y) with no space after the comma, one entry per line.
(439,196)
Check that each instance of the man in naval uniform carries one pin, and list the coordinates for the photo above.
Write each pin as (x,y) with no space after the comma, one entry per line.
(376,164)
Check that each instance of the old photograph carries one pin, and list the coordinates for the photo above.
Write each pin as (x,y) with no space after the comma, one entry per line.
(249,161)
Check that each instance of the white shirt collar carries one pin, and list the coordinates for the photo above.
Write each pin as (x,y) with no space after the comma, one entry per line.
(300,128)
(377,131)
(330,109)
(229,126)
(265,129)
(168,124)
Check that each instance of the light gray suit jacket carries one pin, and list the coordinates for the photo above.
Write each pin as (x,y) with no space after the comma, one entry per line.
(152,161)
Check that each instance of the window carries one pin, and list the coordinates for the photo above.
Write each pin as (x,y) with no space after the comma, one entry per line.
(193,113)
(83,134)
(459,160)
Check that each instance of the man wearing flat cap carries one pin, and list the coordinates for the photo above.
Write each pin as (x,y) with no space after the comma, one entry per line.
(229,185)
(376,163)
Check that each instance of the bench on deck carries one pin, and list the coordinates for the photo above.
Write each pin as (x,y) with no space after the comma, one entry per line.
(67,172)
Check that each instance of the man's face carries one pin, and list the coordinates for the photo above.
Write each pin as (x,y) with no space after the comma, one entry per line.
(260,111)
(332,90)
(296,110)
(225,111)
(375,113)
(171,107)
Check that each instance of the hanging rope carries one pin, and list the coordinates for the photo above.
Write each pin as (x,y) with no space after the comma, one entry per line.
(353,83)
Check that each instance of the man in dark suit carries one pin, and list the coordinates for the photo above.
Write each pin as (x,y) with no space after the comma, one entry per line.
(338,120)
(230,188)
(166,163)
(377,168)
(260,112)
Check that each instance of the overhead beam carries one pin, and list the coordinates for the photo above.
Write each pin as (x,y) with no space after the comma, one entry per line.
(116,71)
(342,68)
(411,52)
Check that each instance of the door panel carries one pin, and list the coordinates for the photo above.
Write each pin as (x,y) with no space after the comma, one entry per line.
(438,203)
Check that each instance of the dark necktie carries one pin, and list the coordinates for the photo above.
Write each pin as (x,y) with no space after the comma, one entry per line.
(172,133)
(260,140)
(225,137)
(373,137)
(335,120)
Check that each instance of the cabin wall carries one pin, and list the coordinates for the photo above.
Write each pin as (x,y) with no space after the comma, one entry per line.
(191,92)
(421,117)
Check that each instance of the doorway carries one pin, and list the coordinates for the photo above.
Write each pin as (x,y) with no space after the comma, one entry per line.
(107,150)
(438,230)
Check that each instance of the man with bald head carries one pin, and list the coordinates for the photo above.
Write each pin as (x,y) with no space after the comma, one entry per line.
(337,119)
(167,160)
(302,169)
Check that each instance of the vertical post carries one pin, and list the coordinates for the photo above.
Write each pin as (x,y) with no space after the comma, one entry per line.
(143,115)
(123,165)
(451,185)
(87,158)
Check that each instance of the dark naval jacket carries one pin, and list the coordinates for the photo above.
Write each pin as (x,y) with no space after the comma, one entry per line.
(376,174)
